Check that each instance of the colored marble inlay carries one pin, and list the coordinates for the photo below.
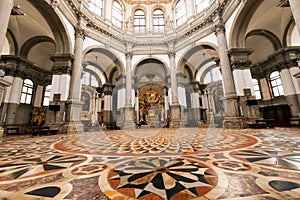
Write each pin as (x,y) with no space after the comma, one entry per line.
(167,142)
(162,178)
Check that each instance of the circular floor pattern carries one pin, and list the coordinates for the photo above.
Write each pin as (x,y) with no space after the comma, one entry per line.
(165,142)
(162,178)
(38,166)
(272,158)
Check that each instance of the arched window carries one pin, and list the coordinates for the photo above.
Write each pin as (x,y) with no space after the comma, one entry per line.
(256,89)
(27,91)
(158,20)
(89,79)
(139,21)
(180,12)
(276,84)
(96,6)
(117,14)
(213,75)
(47,95)
(201,5)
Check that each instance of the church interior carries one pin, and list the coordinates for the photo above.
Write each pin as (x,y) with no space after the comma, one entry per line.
(149,99)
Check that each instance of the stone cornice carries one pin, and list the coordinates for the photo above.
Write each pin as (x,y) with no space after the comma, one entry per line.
(283,58)
(110,32)
(239,58)
(19,67)
(62,63)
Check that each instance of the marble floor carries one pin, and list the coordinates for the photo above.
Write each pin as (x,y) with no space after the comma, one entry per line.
(153,164)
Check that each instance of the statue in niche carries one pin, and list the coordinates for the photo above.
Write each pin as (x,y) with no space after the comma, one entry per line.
(129,23)
(168,23)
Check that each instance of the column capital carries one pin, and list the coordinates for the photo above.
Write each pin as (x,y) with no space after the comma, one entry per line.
(62,63)
(171,54)
(219,27)
(239,58)
(129,55)
(80,32)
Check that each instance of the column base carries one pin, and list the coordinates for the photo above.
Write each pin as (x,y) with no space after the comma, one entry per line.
(176,120)
(233,122)
(1,133)
(73,111)
(73,128)
(129,122)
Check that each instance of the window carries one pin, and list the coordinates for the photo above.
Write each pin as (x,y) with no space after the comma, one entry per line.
(96,6)
(180,12)
(276,84)
(201,5)
(27,91)
(117,14)
(89,79)
(139,21)
(47,95)
(158,20)
(256,89)
(213,75)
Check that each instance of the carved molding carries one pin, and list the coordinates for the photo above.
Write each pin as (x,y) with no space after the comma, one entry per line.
(19,67)
(110,32)
(283,58)
(80,32)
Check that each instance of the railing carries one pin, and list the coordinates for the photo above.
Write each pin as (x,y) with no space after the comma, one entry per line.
(150,35)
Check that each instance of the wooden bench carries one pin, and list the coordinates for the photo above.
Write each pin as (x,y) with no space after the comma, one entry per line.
(264,123)
(39,130)
(295,121)
(9,130)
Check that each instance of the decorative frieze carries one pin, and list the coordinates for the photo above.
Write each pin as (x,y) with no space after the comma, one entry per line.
(239,58)
(62,63)
(19,67)
(81,10)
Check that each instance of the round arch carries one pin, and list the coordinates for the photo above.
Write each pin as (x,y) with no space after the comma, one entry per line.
(27,46)
(241,23)
(184,60)
(114,59)
(153,58)
(61,38)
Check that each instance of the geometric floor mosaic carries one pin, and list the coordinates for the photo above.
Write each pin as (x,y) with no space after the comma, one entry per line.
(175,164)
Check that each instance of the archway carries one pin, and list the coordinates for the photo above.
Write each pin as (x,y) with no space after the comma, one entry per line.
(151,92)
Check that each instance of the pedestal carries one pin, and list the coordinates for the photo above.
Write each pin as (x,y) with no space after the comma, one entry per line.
(73,128)
(73,117)
(129,118)
(1,133)
(233,117)
(233,122)
(175,116)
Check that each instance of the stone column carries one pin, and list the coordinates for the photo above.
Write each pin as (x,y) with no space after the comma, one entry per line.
(175,107)
(166,102)
(13,96)
(243,81)
(5,10)
(137,106)
(107,110)
(295,7)
(294,70)
(129,115)
(231,103)
(195,103)
(74,104)
(38,97)
(56,114)
(290,92)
